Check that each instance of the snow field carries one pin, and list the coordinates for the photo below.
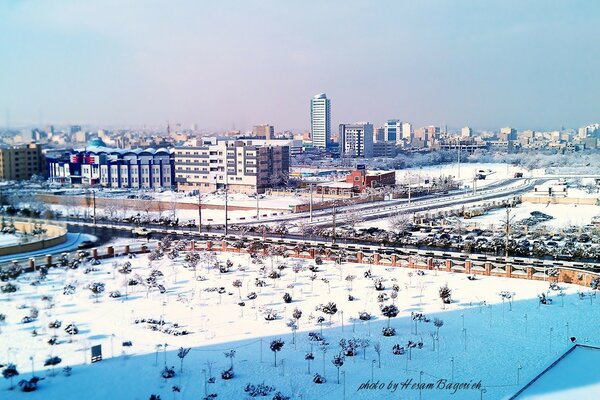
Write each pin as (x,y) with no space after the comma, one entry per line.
(497,339)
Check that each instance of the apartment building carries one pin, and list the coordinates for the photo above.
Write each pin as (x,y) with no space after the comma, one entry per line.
(21,162)
(243,166)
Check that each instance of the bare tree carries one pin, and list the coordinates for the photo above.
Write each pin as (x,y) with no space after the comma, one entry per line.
(399,223)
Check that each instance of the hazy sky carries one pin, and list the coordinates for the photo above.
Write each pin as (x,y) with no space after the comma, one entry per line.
(528,64)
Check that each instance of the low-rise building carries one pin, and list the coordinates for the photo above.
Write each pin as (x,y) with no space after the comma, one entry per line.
(114,168)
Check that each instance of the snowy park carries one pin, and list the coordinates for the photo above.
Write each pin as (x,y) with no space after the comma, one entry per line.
(202,324)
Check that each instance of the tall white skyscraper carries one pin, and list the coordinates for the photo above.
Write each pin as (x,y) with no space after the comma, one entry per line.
(320,121)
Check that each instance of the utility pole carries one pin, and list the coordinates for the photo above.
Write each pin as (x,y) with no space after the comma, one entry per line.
(310,209)
(333,225)
(508,221)
(94,204)
(458,158)
(226,194)
(257,207)
(199,211)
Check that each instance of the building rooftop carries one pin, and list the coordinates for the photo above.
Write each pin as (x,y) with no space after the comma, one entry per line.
(574,375)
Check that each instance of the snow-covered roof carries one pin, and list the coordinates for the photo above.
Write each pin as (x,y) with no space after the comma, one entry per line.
(339,185)
(113,150)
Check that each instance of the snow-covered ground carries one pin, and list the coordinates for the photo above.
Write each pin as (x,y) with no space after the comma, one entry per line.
(8,239)
(564,215)
(494,172)
(482,338)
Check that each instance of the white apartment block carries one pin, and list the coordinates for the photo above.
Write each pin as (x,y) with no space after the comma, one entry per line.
(356,140)
(242,166)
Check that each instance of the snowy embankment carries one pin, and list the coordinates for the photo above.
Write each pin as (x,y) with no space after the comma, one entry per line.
(483,338)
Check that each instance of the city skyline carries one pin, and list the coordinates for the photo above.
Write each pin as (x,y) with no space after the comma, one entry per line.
(436,64)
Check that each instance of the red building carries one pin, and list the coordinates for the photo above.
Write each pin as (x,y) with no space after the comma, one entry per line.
(362,179)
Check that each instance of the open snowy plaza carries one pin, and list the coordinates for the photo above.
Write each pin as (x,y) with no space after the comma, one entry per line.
(447,335)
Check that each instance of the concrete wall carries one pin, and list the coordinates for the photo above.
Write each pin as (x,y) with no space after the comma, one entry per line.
(55,235)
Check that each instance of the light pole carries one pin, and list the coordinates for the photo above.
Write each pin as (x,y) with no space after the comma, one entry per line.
(199,211)
(344,378)
(310,207)
(94,205)
(372,369)
(257,206)
(333,224)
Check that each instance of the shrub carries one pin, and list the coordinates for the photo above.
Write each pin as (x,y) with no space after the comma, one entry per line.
(227,374)
(389,332)
(168,373)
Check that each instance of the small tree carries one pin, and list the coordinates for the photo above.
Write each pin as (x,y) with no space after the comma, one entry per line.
(181,353)
(338,361)
(292,324)
(238,284)
(438,323)
(230,354)
(276,346)
(309,357)
(330,309)
(390,311)
(125,270)
(364,343)
(377,348)
(445,294)
(9,373)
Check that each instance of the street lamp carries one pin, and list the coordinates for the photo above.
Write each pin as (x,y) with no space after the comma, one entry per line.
(199,211)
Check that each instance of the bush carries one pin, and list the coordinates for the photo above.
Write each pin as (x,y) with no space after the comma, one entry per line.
(319,379)
(364,316)
(52,361)
(258,390)
(29,385)
(168,373)
(287,298)
(280,396)
(228,374)
(389,332)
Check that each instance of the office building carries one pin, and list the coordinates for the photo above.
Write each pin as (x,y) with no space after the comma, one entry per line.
(320,121)
(356,140)
(393,131)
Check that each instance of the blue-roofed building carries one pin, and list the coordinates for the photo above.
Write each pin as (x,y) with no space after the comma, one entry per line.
(97,164)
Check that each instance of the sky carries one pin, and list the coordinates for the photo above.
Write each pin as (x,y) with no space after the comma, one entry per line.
(224,64)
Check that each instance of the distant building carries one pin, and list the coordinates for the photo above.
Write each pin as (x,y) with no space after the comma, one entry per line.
(356,140)
(114,168)
(19,163)
(425,136)
(243,165)
(73,129)
(466,132)
(385,149)
(507,133)
(393,131)
(320,121)
(379,135)
(407,132)
(266,131)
